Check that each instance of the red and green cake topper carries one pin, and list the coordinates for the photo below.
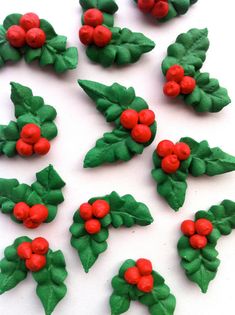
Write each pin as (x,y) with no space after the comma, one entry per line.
(33,38)
(32,205)
(134,123)
(93,219)
(182,67)
(174,162)
(197,247)
(137,281)
(106,44)
(48,270)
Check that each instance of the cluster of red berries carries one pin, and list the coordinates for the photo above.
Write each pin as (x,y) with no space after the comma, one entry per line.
(138,123)
(27,32)
(172,154)
(178,83)
(31,142)
(34,253)
(93,32)
(92,213)
(31,217)
(157,8)
(197,232)
(141,275)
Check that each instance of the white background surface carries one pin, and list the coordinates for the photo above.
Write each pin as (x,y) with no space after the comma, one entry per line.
(80,125)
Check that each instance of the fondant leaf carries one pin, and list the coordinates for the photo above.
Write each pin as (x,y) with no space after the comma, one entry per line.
(12,19)
(48,29)
(108,6)
(119,304)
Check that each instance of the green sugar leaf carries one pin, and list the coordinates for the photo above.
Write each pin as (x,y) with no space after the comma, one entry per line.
(108,6)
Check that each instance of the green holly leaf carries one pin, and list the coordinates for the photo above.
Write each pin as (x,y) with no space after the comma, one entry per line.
(12,19)
(119,304)
(48,29)
(9,53)
(108,6)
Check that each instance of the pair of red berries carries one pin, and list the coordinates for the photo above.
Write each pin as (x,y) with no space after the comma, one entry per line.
(93,32)
(197,232)
(158,8)
(138,123)
(34,253)
(178,83)
(172,154)
(31,217)
(92,213)
(141,275)
(31,142)
(27,32)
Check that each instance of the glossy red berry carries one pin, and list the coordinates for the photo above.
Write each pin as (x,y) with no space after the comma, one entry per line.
(171,89)
(24,250)
(146,5)
(23,148)
(85,211)
(160,10)
(145,266)
(141,133)
(35,37)
(29,20)
(93,17)
(40,246)
(30,224)
(92,226)
(86,35)
(36,262)
(203,227)
(198,241)
(42,147)
(129,118)
(21,211)
(175,73)
(170,164)
(182,150)
(132,275)
(165,147)
(145,284)
(38,213)
(30,133)
(16,36)
(188,227)
(100,208)
(146,117)
(102,36)
(187,85)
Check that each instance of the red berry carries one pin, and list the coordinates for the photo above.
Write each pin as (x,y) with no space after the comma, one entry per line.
(141,133)
(38,213)
(188,227)
(160,10)
(145,266)
(86,34)
(170,164)
(175,73)
(30,133)
(187,85)
(198,241)
(23,148)
(146,284)
(132,275)
(30,224)
(35,37)
(100,208)
(85,211)
(36,262)
(146,5)
(102,36)
(165,147)
(24,250)
(171,89)
(93,17)
(40,246)
(16,36)
(146,117)
(203,227)
(129,118)
(92,226)
(29,20)
(42,147)
(21,211)
(182,150)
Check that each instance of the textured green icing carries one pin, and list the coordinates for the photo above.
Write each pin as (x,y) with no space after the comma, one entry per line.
(111,101)
(124,211)
(45,190)
(159,302)
(201,265)
(189,51)
(53,52)
(202,161)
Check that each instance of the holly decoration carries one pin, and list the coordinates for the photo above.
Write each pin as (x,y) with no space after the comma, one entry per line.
(35,204)
(197,247)
(48,270)
(137,281)
(174,162)
(134,124)
(106,44)
(93,218)
(35,39)
(182,70)
(164,10)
